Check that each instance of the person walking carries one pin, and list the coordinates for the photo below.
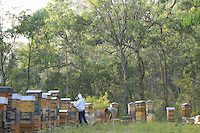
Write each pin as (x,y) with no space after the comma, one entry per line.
(80,105)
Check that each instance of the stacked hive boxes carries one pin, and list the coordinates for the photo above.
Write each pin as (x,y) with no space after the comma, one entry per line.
(38,96)
(27,114)
(140,111)
(7,92)
(127,119)
(56,95)
(3,106)
(149,111)
(185,111)
(63,117)
(115,105)
(73,113)
(100,115)
(170,114)
(44,111)
(53,111)
(89,112)
(65,105)
(16,110)
(131,110)
(48,111)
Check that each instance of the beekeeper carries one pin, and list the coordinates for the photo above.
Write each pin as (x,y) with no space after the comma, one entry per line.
(111,112)
(80,105)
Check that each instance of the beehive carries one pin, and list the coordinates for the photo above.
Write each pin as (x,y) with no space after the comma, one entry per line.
(48,111)
(100,115)
(73,112)
(88,109)
(7,92)
(185,111)
(170,114)
(55,93)
(140,111)
(16,110)
(27,114)
(3,107)
(63,117)
(131,110)
(115,105)
(65,103)
(127,119)
(44,111)
(54,113)
(38,96)
(149,107)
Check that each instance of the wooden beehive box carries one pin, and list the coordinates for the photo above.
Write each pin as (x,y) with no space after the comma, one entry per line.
(89,107)
(63,117)
(140,111)
(149,107)
(44,101)
(65,103)
(55,93)
(73,112)
(28,104)
(3,108)
(16,100)
(131,110)
(170,114)
(186,111)
(100,115)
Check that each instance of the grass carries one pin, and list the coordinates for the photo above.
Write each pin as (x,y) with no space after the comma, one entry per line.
(133,128)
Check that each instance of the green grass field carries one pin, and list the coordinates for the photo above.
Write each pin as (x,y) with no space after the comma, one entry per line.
(133,128)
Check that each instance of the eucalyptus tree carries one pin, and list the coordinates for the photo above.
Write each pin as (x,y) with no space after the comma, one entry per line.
(7,56)
(67,27)
(29,25)
(124,25)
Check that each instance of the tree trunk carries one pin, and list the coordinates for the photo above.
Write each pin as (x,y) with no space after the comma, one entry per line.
(141,71)
(29,62)
(125,75)
(66,61)
(2,69)
(165,79)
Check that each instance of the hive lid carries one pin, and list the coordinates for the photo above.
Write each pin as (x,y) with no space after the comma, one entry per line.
(185,104)
(149,101)
(131,103)
(87,104)
(170,108)
(16,96)
(34,91)
(28,98)
(142,101)
(54,98)
(3,100)
(48,94)
(54,91)
(65,99)
(114,103)
(6,89)
(44,95)
(63,111)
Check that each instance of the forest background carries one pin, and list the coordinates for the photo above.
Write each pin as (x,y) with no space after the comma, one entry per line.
(109,50)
